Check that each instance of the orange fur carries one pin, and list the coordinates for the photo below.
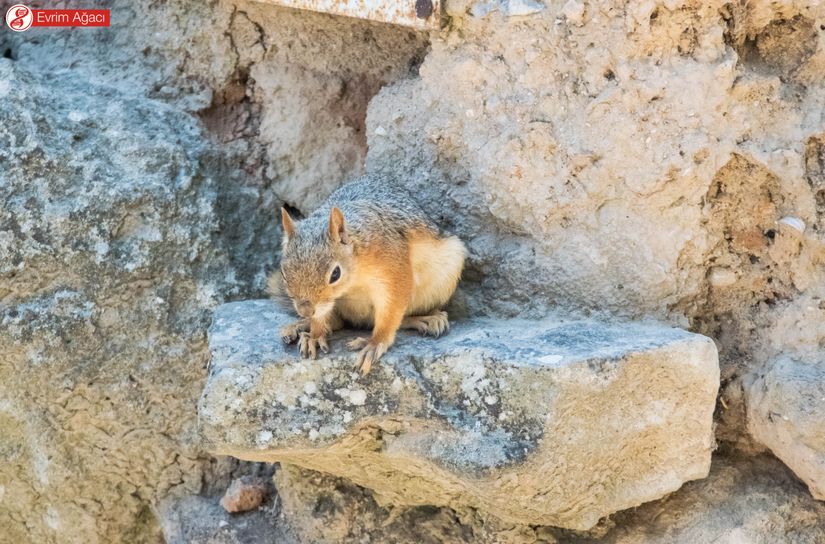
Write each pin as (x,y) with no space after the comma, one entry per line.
(370,257)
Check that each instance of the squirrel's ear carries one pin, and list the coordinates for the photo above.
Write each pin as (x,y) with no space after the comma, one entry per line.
(337,229)
(289,226)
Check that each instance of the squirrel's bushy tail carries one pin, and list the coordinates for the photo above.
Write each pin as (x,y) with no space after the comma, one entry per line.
(275,288)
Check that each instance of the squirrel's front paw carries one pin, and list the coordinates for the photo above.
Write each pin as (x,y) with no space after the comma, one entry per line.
(290,333)
(370,354)
(309,346)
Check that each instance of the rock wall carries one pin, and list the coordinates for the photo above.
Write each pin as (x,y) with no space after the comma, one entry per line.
(605,159)
(109,264)
(140,170)
(634,159)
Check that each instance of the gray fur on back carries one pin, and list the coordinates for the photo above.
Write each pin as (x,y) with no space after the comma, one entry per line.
(373,206)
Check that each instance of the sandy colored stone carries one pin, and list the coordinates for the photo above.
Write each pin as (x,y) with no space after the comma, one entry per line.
(598,158)
(786,413)
(659,97)
(744,500)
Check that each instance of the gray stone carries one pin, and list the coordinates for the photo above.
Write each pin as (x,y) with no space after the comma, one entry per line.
(201,520)
(786,413)
(546,422)
(108,270)
(517,8)
(137,193)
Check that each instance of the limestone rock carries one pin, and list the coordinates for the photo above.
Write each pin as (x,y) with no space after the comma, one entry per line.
(541,422)
(107,223)
(324,509)
(134,200)
(742,501)
(594,157)
(527,123)
(786,413)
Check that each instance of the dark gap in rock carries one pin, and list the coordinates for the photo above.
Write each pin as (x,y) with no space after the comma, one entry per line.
(294,212)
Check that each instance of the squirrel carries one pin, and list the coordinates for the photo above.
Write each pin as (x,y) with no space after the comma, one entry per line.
(371,258)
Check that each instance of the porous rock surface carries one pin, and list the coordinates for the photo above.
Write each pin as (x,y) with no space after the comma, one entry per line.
(636,158)
(786,413)
(201,520)
(753,500)
(134,199)
(625,158)
(509,416)
(108,265)
(742,501)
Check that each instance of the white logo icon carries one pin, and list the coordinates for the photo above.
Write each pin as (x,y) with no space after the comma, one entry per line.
(19,17)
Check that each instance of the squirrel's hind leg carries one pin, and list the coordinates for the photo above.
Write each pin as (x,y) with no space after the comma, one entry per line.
(434,324)
(436,265)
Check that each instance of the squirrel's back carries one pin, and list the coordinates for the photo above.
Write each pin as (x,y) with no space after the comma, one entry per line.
(374,206)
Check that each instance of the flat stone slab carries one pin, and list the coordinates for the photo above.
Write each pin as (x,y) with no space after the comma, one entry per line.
(547,422)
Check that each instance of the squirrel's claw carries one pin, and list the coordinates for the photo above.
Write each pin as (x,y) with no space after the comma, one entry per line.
(309,346)
(357,343)
(437,324)
(306,346)
(434,324)
(289,333)
(371,353)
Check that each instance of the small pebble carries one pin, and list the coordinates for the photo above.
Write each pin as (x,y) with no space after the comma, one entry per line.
(243,494)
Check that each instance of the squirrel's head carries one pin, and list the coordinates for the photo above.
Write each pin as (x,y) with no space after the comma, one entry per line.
(316,264)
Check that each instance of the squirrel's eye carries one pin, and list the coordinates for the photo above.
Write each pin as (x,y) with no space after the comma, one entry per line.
(336,274)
